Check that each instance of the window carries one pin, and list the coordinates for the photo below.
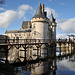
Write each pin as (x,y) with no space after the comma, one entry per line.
(14,40)
(24,34)
(34,26)
(34,32)
(29,34)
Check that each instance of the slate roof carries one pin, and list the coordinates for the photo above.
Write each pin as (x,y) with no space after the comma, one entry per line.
(52,18)
(25,24)
(39,13)
(18,31)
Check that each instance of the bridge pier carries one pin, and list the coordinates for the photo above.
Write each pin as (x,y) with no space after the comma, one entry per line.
(68,48)
(60,49)
(6,54)
(42,49)
(4,49)
(47,49)
(24,46)
(37,51)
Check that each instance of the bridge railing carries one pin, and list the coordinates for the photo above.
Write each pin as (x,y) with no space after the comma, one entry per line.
(64,40)
(23,41)
(27,41)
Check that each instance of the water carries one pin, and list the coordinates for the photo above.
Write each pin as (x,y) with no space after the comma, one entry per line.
(58,64)
(65,67)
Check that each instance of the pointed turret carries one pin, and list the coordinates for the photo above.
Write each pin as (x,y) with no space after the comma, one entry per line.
(53,26)
(52,18)
(40,12)
(40,23)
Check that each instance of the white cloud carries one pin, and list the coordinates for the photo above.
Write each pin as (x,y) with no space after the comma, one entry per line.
(9,16)
(66,25)
(64,36)
(49,11)
(2,9)
(23,9)
(64,65)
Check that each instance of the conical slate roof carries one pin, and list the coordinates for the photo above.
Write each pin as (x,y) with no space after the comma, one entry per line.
(39,13)
(52,18)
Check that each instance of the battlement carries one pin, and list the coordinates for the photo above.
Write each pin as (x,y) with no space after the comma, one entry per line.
(40,20)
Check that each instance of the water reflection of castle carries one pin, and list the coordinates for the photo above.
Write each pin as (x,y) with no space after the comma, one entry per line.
(42,67)
(46,67)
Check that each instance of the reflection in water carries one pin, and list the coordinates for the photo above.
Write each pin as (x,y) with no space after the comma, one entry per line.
(66,67)
(44,68)
(56,64)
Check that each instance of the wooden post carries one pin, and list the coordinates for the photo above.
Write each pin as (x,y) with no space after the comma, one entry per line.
(47,50)
(37,51)
(40,51)
(68,47)
(73,38)
(71,47)
(25,53)
(60,49)
(65,48)
(6,53)
(24,46)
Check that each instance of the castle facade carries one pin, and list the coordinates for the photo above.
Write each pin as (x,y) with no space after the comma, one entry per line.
(40,27)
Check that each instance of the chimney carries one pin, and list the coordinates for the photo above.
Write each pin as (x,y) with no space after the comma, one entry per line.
(42,8)
(28,24)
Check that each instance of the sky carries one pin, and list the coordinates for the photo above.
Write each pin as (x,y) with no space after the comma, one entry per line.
(13,12)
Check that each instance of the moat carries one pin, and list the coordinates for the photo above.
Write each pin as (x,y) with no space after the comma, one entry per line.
(55,65)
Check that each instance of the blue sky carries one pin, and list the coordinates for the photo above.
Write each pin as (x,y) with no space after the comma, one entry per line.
(13,12)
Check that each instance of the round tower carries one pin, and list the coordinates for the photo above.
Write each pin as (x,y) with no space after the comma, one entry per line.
(40,24)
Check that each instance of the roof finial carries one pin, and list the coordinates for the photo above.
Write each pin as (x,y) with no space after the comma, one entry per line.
(51,17)
(51,11)
(39,3)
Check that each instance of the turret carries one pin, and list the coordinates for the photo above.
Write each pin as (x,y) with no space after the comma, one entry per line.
(53,26)
(40,23)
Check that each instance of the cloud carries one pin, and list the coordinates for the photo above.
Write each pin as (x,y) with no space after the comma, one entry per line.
(23,10)
(65,65)
(9,16)
(49,11)
(61,36)
(2,9)
(25,7)
(66,25)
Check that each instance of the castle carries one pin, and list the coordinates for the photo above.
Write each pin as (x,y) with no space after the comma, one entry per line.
(40,27)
